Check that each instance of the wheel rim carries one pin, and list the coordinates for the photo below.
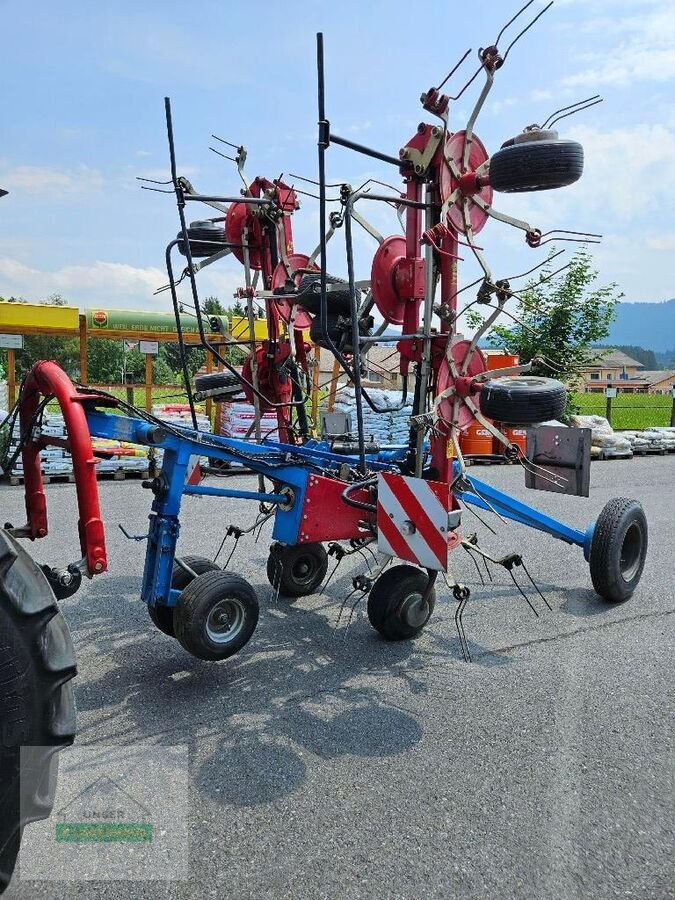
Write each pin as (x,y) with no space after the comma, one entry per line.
(414,610)
(225,621)
(631,552)
(303,569)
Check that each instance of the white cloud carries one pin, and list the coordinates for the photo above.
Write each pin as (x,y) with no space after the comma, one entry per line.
(109,284)
(641,49)
(51,183)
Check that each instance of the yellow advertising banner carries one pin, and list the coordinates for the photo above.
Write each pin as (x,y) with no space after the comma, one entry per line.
(33,318)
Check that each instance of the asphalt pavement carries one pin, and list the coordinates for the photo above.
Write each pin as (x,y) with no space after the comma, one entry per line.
(326,763)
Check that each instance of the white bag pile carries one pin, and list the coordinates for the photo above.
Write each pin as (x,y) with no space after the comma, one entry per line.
(657,438)
(179,414)
(604,440)
(120,456)
(388,427)
(237,420)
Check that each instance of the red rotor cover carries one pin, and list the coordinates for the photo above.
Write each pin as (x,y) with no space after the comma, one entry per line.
(477,156)
(285,305)
(271,384)
(382,283)
(237,218)
(444,380)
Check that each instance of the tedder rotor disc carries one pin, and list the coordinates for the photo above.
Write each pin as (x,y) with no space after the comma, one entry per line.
(237,218)
(476,366)
(284,305)
(382,284)
(454,148)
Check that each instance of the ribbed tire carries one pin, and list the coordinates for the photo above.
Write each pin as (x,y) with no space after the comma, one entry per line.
(297,571)
(37,707)
(335,333)
(161,615)
(215,615)
(523,399)
(206,238)
(309,295)
(536,166)
(618,549)
(222,381)
(394,603)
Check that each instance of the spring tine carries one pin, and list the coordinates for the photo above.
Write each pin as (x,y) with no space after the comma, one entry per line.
(330,577)
(487,569)
(453,70)
(473,560)
(343,604)
(548,122)
(511,21)
(527,28)
(156,190)
(459,625)
(237,147)
(229,558)
(581,109)
(534,584)
(351,614)
(311,181)
(522,592)
(534,268)
(224,155)
(152,180)
(468,83)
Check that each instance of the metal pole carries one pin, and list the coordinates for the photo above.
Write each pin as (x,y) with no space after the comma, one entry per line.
(425,366)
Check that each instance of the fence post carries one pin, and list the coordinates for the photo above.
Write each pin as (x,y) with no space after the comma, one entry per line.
(610,393)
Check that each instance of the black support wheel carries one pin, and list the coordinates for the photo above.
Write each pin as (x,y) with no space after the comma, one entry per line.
(215,615)
(618,549)
(536,166)
(297,571)
(217,385)
(396,605)
(162,615)
(37,707)
(523,399)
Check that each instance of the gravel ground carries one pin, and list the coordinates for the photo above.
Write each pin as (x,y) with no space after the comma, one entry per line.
(326,763)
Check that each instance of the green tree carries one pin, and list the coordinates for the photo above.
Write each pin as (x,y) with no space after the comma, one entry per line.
(213,307)
(104,360)
(561,318)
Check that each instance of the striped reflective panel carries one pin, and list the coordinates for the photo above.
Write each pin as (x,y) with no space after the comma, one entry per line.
(412,519)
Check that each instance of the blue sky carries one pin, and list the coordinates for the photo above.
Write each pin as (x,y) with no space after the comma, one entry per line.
(83,115)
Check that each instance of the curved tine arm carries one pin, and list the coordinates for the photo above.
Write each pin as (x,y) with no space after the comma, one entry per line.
(501,217)
(312,259)
(469,237)
(468,131)
(485,327)
(188,188)
(367,226)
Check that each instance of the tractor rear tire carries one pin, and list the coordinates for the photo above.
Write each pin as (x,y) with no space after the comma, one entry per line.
(395,606)
(536,166)
(523,399)
(215,615)
(618,549)
(37,706)
(297,571)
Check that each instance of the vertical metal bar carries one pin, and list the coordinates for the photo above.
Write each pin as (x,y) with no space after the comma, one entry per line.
(316,377)
(179,332)
(148,382)
(425,367)
(11,378)
(84,374)
(356,345)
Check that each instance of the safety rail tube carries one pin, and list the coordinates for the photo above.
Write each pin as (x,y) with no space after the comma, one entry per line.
(47,379)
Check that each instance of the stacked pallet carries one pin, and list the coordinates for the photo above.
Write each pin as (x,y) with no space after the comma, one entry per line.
(391,426)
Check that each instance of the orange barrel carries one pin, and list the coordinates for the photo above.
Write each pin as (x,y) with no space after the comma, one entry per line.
(476,440)
(517,434)
(501,360)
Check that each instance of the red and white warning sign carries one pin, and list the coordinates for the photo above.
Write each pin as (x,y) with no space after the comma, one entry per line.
(412,519)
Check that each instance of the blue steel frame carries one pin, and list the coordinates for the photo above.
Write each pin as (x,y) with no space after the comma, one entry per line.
(289,468)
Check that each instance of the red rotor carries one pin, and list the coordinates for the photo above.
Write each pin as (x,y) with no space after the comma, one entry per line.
(382,279)
(444,380)
(285,305)
(477,156)
(237,218)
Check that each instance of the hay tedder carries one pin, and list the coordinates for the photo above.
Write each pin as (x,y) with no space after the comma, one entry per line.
(331,494)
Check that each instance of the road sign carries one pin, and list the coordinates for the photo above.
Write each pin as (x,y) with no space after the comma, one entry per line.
(610,392)
(151,347)
(11,341)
